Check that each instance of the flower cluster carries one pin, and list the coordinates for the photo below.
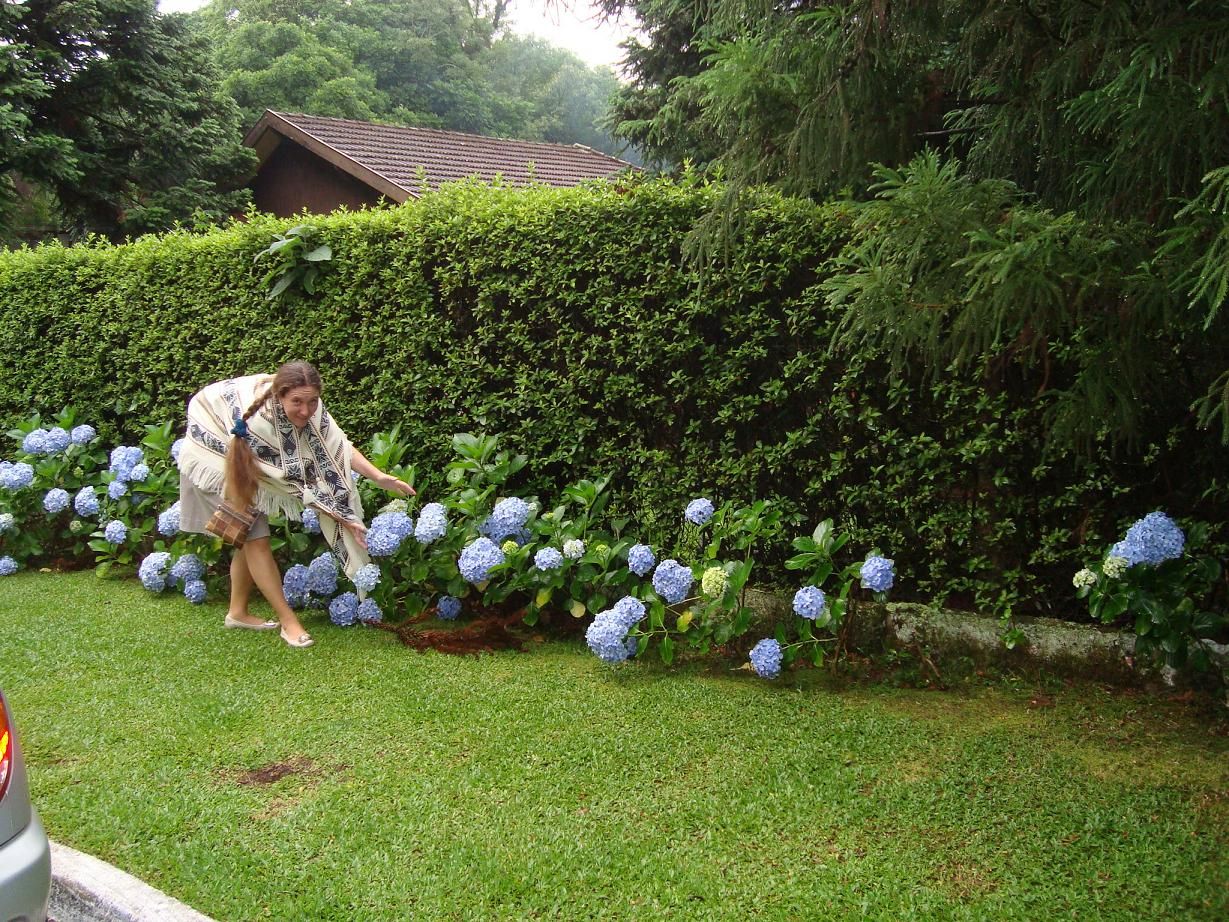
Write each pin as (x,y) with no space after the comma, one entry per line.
(294,585)
(1152,540)
(607,635)
(188,568)
(368,612)
(322,575)
(698,511)
(311,521)
(640,559)
(6,521)
(152,571)
(766,658)
(85,503)
(714,582)
(83,434)
(573,549)
(125,459)
(8,566)
(15,476)
(478,559)
(46,441)
(367,578)
(176,448)
(195,591)
(1084,579)
(809,602)
(878,574)
(671,580)
(168,520)
(56,501)
(507,519)
(343,610)
(432,523)
(115,532)
(548,558)
(1114,567)
(448,607)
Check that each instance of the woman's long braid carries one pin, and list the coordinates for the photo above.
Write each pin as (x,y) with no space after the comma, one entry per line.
(241,473)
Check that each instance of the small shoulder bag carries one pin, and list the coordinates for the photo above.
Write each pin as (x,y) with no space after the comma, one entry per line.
(231,522)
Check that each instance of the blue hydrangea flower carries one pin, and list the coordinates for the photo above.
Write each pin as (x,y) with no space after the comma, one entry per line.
(139,473)
(177,449)
(82,435)
(124,458)
(573,549)
(1152,540)
(399,523)
(153,571)
(809,602)
(8,566)
(478,559)
(294,585)
(698,511)
(607,635)
(432,523)
(367,578)
(369,612)
(311,521)
(343,610)
(86,502)
(382,542)
(506,519)
(195,591)
(115,532)
(56,441)
(878,574)
(117,489)
(671,580)
(187,568)
(640,559)
(766,658)
(16,476)
(35,443)
(56,501)
(168,520)
(6,521)
(548,559)
(448,607)
(322,575)
(629,610)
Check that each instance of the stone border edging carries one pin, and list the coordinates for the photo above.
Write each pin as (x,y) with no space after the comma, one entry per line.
(98,890)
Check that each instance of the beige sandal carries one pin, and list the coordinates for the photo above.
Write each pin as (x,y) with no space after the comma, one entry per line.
(305,640)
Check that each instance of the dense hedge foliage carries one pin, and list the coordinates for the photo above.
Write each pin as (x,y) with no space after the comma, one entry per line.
(568,322)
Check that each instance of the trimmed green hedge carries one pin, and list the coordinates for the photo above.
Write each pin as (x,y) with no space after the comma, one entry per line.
(568,322)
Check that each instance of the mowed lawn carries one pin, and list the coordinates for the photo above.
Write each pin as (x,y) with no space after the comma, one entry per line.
(361,780)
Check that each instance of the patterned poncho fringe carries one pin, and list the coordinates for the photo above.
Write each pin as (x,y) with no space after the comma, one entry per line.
(296,469)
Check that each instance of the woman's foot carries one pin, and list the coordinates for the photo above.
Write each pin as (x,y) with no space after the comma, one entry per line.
(301,639)
(248,621)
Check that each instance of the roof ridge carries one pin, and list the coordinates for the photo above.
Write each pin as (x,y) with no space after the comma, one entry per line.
(291,116)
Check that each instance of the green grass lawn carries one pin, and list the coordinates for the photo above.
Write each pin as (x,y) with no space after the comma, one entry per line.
(360,780)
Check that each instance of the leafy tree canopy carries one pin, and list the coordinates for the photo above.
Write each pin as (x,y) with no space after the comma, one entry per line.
(1035,168)
(113,109)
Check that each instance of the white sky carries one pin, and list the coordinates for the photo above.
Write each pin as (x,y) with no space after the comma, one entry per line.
(577,28)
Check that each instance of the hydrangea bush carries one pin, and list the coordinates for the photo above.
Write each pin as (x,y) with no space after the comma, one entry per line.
(1155,581)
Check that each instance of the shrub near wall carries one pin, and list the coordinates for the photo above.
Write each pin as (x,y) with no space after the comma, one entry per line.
(567,321)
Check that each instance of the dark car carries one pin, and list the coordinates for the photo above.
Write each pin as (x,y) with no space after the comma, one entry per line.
(25,853)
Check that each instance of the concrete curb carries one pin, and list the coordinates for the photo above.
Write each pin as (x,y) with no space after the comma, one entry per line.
(83,887)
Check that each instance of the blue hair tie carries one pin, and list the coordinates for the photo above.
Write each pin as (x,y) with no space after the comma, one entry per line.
(240,428)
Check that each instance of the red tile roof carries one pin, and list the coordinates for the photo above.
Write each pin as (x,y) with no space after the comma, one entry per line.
(395,159)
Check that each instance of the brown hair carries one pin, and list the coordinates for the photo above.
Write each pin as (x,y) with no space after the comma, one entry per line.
(241,470)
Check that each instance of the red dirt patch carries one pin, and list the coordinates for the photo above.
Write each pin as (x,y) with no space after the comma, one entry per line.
(490,629)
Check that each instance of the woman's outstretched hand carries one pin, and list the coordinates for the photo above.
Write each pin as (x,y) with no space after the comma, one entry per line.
(393,485)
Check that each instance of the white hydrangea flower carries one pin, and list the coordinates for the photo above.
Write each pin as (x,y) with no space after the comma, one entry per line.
(573,549)
(1114,567)
(1084,578)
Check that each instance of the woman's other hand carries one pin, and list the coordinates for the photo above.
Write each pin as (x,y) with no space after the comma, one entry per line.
(358,530)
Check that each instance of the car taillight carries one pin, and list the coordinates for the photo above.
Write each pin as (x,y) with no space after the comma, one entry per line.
(6,750)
